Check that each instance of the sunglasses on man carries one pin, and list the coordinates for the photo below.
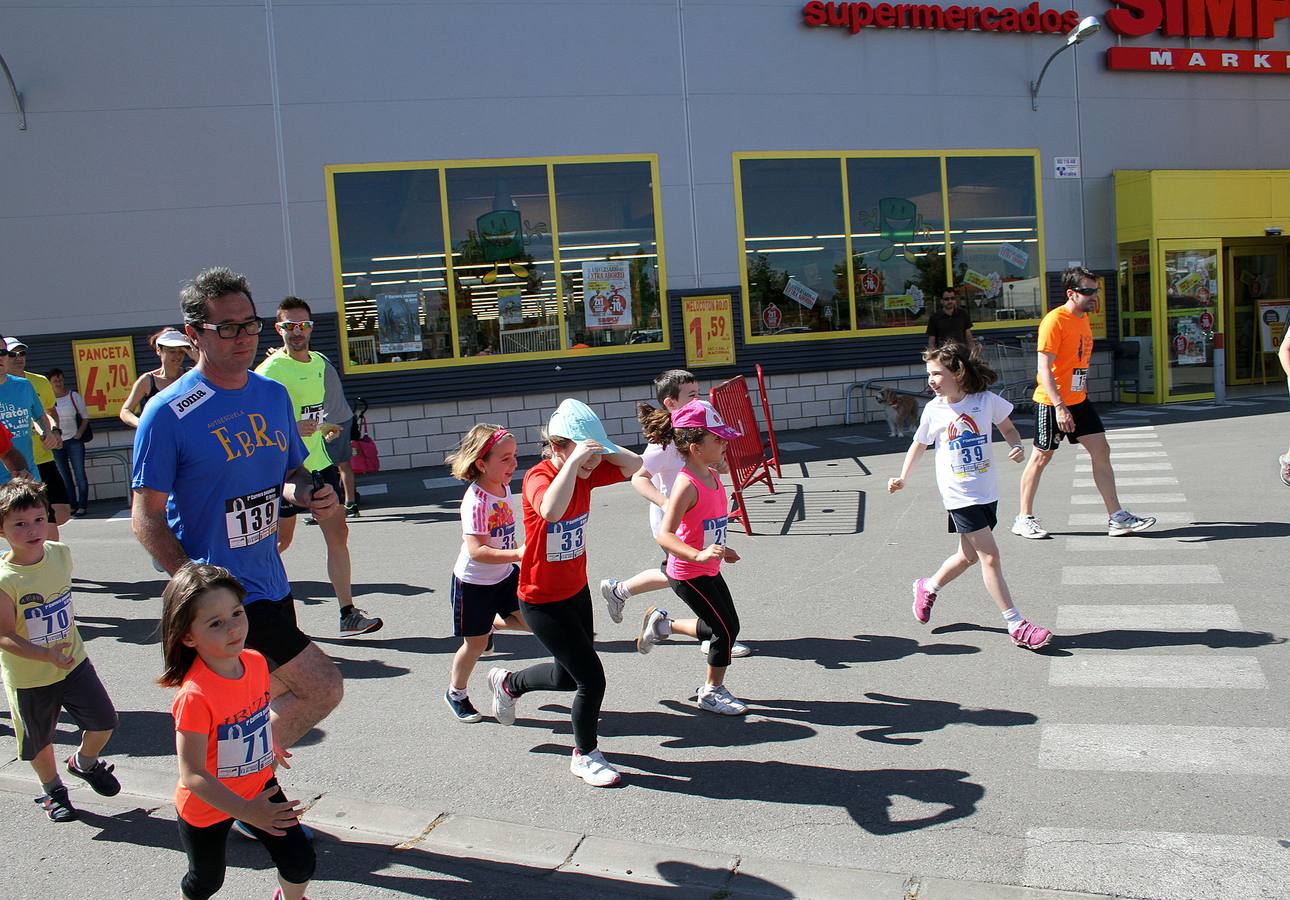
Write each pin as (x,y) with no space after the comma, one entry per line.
(298,327)
(17,354)
(1086,291)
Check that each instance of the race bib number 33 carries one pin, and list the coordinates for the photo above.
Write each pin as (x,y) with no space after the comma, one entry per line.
(566,540)
(245,747)
(251,518)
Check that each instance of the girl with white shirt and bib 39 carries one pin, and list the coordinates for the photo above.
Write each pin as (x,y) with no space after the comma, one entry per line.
(960,423)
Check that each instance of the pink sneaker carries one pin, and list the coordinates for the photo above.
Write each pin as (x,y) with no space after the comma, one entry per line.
(923,600)
(1031,637)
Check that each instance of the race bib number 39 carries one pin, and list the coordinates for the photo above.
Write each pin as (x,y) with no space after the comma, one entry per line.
(1079,380)
(50,622)
(566,540)
(251,518)
(246,747)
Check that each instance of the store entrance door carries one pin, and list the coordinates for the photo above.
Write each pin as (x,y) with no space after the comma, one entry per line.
(1193,308)
(1256,270)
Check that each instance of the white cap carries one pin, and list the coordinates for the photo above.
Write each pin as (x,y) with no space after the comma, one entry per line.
(173,338)
(12,343)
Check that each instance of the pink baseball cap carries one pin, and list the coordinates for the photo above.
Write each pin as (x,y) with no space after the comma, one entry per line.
(700,414)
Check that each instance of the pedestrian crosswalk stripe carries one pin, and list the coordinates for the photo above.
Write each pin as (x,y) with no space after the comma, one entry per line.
(1169,517)
(1149,480)
(796,445)
(1091,499)
(1149,616)
(1135,444)
(1132,428)
(1127,454)
(1192,574)
(850,439)
(1123,670)
(1148,435)
(442,482)
(374,489)
(1155,863)
(1139,413)
(1082,467)
(1125,544)
(1193,749)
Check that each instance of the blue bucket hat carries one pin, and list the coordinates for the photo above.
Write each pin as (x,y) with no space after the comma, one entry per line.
(574,420)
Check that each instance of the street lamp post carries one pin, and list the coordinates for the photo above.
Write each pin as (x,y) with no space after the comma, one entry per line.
(1087,27)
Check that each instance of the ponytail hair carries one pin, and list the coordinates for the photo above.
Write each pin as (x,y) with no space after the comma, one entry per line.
(656,422)
(969,369)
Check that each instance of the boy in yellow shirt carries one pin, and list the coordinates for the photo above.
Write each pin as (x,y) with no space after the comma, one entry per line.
(41,654)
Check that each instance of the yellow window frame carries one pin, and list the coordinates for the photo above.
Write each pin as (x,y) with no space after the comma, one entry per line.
(842,156)
(443,165)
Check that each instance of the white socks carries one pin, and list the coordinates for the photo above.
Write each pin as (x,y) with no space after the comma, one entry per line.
(456,694)
(1014,619)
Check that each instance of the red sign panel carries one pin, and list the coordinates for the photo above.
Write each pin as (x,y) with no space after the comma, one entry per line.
(1184,59)
(928,16)
(1197,18)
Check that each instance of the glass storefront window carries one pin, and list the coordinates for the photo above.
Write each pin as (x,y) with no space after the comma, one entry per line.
(994,233)
(897,239)
(439,263)
(608,254)
(794,246)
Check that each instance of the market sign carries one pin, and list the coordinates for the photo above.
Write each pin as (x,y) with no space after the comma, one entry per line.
(925,16)
(1234,19)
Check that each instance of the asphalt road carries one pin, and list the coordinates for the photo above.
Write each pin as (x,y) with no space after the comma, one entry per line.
(1143,754)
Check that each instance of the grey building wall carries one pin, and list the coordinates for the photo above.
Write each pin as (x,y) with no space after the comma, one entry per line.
(166,135)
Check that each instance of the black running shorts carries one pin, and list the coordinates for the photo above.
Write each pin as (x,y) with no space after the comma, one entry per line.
(1048,435)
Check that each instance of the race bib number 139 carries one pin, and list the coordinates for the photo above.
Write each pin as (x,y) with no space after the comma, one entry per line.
(251,518)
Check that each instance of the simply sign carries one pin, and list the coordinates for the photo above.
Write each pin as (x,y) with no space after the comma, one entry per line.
(1233,19)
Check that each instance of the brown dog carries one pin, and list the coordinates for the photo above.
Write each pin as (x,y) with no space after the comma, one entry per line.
(901,412)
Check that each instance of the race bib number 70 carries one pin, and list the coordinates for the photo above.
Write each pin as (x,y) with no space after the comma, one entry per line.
(50,622)
(251,518)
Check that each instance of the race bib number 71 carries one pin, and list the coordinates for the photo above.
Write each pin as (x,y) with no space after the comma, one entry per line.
(246,747)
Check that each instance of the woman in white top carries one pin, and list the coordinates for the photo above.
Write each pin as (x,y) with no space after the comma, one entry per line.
(73,419)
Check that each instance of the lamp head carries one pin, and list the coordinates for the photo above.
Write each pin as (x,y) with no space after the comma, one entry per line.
(1087,27)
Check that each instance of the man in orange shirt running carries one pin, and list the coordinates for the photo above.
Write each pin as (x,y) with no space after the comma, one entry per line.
(1062,407)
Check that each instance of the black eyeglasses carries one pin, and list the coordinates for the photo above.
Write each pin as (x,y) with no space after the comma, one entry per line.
(230,330)
(1087,292)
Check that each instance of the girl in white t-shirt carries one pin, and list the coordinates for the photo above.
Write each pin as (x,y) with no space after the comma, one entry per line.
(960,422)
(661,462)
(485,579)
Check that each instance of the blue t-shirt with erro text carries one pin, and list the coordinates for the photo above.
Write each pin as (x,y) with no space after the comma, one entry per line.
(223,456)
(18,406)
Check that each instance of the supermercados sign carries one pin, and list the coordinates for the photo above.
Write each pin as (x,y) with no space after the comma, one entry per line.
(1233,19)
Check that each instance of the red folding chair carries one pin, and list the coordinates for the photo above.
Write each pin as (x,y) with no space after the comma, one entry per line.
(745,455)
(773,459)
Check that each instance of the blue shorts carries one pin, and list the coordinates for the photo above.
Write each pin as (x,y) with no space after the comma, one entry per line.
(474,605)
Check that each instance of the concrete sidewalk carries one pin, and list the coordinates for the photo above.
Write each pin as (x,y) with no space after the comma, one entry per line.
(566,862)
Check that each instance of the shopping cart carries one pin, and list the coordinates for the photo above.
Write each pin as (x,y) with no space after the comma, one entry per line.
(1013,361)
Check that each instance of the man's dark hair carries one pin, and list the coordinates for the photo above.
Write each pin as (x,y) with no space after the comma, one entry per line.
(294,303)
(54,372)
(1074,275)
(210,285)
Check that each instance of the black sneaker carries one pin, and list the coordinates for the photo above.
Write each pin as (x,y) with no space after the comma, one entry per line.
(58,806)
(351,510)
(463,709)
(310,520)
(99,776)
(359,622)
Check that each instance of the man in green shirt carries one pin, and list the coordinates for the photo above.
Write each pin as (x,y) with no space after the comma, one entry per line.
(42,447)
(301,372)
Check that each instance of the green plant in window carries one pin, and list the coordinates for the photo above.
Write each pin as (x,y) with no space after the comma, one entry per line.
(643,289)
(765,284)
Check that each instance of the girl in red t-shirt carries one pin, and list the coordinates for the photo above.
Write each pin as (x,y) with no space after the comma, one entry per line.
(554,595)
(224,735)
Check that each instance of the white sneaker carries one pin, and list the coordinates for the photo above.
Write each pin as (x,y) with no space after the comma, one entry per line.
(1028,527)
(612,601)
(1119,525)
(503,703)
(594,769)
(654,629)
(721,701)
(736,651)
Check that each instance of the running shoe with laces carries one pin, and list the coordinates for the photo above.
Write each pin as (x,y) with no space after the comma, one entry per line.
(1030,637)
(99,776)
(357,621)
(594,769)
(463,709)
(58,806)
(720,701)
(351,510)
(736,652)
(503,702)
(1125,522)
(1028,527)
(614,603)
(923,600)
(653,626)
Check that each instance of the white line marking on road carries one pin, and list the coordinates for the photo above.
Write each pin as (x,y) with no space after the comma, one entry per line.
(1148,481)
(120,515)
(1121,670)
(1134,435)
(442,482)
(1127,454)
(374,489)
(1155,863)
(1127,428)
(1198,749)
(1205,574)
(1173,517)
(1140,413)
(1149,617)
(1245,402)
(796,445)
(851,439)
(1126,544)
(1082,468)
(1136,445)
(1195,407)
(1142,499)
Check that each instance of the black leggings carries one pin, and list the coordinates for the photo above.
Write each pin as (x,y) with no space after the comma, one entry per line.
(710,599)
(292,853)
(564,628)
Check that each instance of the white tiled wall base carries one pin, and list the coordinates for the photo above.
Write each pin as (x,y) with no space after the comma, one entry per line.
(416,435)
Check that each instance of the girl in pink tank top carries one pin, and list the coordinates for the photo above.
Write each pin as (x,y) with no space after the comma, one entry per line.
(693,532)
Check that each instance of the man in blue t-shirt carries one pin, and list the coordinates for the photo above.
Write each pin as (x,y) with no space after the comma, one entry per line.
(24,417)
(213,454)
